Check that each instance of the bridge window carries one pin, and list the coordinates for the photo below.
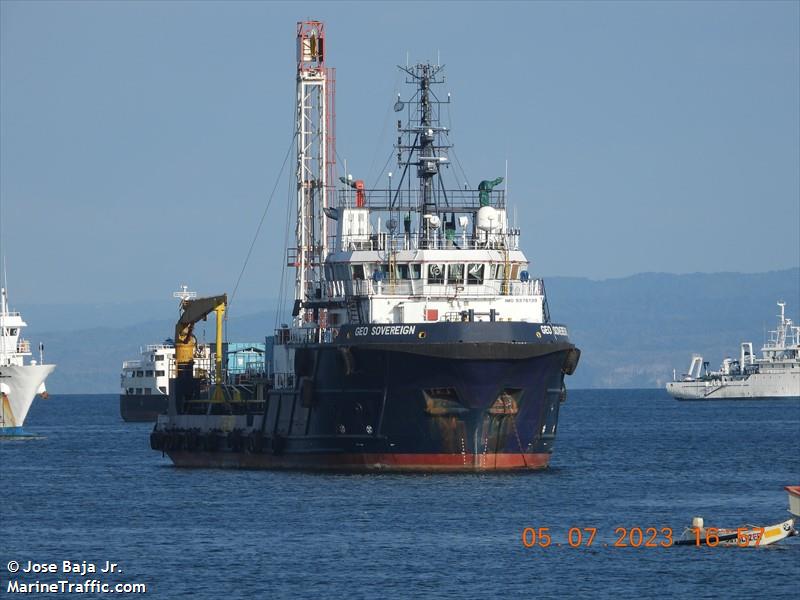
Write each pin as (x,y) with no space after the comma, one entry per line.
(159,373)
(148,374)
(474,274)
(455,274)
(409,271)
(358,271)
(496,271)
(435,273)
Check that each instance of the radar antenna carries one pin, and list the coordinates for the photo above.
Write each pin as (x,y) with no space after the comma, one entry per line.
(184,293)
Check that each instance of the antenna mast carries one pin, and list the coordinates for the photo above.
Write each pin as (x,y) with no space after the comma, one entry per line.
(425,130)
(315,164)
(418,144)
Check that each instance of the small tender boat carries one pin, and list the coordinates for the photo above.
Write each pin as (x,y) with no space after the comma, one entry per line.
(794,499)
(746,536)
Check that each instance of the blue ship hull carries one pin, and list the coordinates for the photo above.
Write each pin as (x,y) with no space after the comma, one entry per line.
(443,401)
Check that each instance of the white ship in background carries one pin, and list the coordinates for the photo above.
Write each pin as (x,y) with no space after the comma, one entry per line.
(19,382)
(144,383)
(775,375)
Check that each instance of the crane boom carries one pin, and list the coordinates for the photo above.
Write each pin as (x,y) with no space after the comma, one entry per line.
(192,311)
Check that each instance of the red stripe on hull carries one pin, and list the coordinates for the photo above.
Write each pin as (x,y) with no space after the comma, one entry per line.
(362,462)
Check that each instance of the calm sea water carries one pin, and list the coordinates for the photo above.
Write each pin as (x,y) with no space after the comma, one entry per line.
(91,489)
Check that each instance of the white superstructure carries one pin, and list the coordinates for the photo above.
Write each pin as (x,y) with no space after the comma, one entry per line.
(436,282)
(413,253)
(150,374)
(775,375)
(19,382)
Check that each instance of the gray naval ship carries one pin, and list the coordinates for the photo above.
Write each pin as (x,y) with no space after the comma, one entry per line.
(775,375)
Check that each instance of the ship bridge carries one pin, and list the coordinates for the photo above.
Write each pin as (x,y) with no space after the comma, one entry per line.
(394,261)
(13,347)
(413,251)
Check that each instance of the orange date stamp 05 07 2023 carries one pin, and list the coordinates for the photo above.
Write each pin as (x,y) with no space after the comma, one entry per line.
(626,537)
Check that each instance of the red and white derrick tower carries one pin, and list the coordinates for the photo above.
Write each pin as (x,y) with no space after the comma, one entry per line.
(316,157)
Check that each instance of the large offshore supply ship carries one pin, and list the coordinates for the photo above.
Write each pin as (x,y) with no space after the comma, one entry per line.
(419,339)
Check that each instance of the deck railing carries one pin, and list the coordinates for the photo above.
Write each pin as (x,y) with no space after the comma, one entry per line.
(404,200)
(416,240)
(421,288)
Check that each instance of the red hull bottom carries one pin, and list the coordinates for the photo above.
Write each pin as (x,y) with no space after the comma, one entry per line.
(363,462)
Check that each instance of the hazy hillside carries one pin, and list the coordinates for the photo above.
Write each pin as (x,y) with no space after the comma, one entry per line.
(89,360)
(632,331)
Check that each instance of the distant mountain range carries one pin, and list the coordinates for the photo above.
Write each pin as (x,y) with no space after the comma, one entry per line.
(632,331)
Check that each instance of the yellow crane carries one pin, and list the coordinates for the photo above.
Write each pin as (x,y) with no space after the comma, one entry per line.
(192,311)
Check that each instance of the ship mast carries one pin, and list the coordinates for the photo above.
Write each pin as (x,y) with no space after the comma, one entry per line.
(419,144)
(422,132)
(315,164)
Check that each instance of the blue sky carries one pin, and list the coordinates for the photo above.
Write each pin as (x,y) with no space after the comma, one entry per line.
(139,142)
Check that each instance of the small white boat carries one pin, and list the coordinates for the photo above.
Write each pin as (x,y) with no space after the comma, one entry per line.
(746,536)
(794,499)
